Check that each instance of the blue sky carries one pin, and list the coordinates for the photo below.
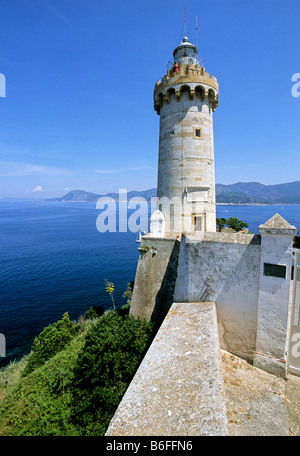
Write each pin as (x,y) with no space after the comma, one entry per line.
(80,74)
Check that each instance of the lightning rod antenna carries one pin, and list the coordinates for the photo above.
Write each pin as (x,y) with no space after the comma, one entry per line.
(196,35)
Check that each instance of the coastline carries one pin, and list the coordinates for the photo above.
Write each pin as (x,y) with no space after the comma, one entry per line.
(258,204)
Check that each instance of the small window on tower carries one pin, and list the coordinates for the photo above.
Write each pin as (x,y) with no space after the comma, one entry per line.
(197,133)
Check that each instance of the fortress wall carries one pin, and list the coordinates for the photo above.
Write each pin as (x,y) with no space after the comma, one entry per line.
(220,267)
(155,278)
(247,276)
(223,268)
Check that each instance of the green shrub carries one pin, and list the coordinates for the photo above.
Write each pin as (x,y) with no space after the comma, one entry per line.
(236,224)
(128,292)
(75,391)
(50,341)
(221,222)
(105,366)
(94,312)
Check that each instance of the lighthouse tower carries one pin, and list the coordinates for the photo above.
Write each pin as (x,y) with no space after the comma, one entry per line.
(185,100)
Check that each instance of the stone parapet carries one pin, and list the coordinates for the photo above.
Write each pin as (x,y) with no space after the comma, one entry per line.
(190,77)
(178,389)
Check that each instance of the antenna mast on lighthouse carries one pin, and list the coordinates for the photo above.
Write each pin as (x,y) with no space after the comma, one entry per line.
(196,35)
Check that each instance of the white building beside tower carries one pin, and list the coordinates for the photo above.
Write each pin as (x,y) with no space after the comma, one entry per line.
(185,99)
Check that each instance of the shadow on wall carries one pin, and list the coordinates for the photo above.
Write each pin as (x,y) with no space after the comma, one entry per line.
(165,296)
(224,268)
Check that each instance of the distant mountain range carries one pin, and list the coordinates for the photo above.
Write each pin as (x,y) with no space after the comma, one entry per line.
(83,196)
(238,193)
(254,192)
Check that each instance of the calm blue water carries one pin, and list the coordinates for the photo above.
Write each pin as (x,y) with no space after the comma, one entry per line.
(53,260)
(257,215)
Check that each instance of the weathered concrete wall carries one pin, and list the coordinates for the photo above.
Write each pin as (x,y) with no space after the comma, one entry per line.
(155,278)
(273,310)
(228,269)
(223,268)
(178,389)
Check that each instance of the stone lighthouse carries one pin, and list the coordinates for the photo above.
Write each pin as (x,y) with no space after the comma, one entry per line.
(185,99)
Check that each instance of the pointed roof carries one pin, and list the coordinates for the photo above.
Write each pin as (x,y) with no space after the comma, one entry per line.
(157,215)
(277,225)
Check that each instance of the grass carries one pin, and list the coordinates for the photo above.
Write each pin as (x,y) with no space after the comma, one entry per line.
(39,404)
(9,376)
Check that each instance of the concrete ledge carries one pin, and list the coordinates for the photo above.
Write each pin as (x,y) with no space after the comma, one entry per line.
(178,389)
(270,364)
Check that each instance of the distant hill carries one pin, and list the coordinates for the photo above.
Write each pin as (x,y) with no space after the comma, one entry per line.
(83,196)
(78,196)
(246,191)
(237,198)
(238,193)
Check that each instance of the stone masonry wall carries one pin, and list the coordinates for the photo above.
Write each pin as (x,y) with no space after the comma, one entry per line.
(232,270)
(223,268)
(155,278)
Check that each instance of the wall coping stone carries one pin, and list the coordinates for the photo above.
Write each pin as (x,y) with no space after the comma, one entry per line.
(226,238)
(277,225)
(178,389)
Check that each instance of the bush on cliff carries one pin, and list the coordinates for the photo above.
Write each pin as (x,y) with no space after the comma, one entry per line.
(105,366)
(51,341)
(77,389)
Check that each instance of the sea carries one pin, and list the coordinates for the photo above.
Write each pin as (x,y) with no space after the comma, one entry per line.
(54,260)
